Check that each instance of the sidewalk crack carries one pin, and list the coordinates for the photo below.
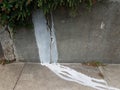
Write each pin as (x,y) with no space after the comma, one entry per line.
(103,75)
(19,76)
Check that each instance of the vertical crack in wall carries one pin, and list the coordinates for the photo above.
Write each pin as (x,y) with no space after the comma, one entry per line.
(53,43)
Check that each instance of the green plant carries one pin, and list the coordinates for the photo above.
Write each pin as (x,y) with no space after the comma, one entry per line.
(3,61)
(94,63)
(15,12)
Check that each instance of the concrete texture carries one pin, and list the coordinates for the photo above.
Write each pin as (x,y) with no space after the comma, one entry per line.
(93,35)
(37,77)
(115,74)
(31,76)
(26,45)
(88,70)
(9,75)
(1,52)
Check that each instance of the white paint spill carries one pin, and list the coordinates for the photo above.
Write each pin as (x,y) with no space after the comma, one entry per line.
(42,34)
(54,52)
(69,74)
(48,50)
(102,25)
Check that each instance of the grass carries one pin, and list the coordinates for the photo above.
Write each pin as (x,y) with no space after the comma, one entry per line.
(94,63)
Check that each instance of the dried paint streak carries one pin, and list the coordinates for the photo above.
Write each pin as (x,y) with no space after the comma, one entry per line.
(46,43)
(69,74)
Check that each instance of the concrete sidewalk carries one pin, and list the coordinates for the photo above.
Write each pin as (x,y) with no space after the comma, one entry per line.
(33,76)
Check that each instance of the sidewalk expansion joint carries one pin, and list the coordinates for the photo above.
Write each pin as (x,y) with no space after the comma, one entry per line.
(103,75)
(19,76)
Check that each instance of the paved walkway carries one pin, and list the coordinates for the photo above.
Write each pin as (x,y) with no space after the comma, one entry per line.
(33,76)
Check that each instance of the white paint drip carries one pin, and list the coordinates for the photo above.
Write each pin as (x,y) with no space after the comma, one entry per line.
(102,25)
(54,52)
(43,39)
(42,35)
(69,74)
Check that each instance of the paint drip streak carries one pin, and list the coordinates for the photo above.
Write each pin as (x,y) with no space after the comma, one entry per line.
(48,50)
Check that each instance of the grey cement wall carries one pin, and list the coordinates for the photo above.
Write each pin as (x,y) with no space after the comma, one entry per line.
(26,45)
(1,52)
(93,35)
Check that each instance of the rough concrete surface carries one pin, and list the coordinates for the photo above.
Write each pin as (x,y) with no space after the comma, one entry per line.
(37,77)
(32,76)
(26,45)
(114,72)
(1,52)
(9,75)
(91,35)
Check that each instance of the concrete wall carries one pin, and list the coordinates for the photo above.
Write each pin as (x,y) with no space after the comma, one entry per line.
(93,35)
(26,45)
(1,52)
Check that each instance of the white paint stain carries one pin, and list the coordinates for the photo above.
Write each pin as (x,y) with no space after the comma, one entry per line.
(69,74)
(42,35)
(46,46)
(54,52)
(102,25)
